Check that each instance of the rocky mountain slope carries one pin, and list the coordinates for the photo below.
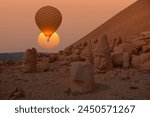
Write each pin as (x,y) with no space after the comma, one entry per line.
(132,20)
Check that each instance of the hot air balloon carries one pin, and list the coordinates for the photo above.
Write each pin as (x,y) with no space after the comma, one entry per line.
(48,19)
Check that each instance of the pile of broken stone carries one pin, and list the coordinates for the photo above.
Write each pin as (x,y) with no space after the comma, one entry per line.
(134,53)
(94,56)
(100,57)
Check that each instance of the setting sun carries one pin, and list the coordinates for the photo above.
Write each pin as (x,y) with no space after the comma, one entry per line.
(48,43)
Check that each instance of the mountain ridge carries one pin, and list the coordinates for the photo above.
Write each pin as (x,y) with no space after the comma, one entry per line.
(132,20)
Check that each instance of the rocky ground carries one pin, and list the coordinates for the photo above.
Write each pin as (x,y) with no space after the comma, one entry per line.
(52,81)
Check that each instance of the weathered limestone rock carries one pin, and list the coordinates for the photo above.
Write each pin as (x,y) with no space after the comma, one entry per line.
(112,44)
(117,60)
(77,51)
(124,47)
(82,77)
(86,53)
(145,66)
(135,61)
(75,56)
(142,61)
(102,55)
(135,51)
(115,42)
(121,60)
(126,59)
(83,52)
(145,34)
(121,55)
(145,61)
(145,57)
(89,52)
(69,59)
(139,43)
(30,60)
(146,49)
(118,41)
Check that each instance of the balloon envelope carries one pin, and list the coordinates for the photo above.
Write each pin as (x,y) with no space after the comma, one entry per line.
(48,19)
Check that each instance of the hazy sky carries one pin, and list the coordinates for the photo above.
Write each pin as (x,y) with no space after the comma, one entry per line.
(18,30)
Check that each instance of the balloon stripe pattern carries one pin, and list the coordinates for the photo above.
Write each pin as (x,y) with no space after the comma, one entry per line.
(48,19)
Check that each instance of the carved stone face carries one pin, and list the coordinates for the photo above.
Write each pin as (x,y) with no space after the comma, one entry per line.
(96,60)
(100,60)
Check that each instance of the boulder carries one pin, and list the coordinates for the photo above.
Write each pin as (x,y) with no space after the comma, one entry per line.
(145,61)
(115,42)
(126,59)
(139,43)
(82,77)
(121,60)
(145,34)
(124,47)
(142,61)
(145,66)
(77,51)
(112,43)
(118,41)
(135,61)
(145,58)
(146,48)
(117,60)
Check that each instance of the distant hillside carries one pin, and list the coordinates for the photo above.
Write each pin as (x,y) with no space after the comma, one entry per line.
(19,55)
(134,19)
(13,56)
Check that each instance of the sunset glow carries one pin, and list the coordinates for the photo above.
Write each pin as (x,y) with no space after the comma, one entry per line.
(79,18)
(53,42)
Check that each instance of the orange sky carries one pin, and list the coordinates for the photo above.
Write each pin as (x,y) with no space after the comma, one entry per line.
(18,30)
